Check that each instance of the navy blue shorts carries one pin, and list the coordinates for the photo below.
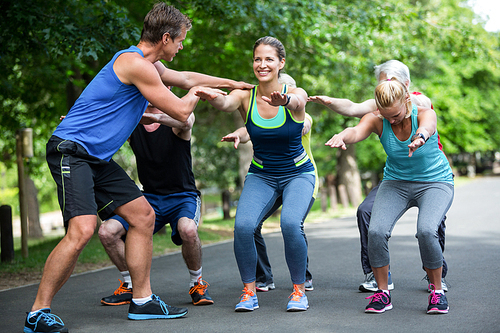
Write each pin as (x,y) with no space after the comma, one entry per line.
(169,209)
(87,185)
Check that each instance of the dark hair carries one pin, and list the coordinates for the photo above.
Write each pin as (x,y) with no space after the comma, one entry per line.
(273,42)
(162,19)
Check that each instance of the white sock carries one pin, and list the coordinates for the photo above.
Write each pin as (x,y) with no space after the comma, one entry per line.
(141,301)
(33,313)
(439,291)
(387,292)
(194,276)
(127,279)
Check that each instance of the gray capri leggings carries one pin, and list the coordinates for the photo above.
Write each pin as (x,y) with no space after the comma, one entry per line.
(394,198)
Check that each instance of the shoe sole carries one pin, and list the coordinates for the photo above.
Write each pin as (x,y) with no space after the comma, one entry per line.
(119,303)
(296,309)
(245,309)
(262,289)
(364,289)
(137,316)
(309,289)
(371,310)
(437,311)
(204,302)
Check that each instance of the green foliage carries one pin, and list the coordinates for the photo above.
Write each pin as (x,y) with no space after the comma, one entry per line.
(50,46)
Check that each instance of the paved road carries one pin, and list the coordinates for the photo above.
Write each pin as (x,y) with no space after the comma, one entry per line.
(336,305)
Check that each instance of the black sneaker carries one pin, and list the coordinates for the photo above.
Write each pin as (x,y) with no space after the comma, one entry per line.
(121,296)
(154,309)
(199,293)
(44,321)
(438,304)
(379,302)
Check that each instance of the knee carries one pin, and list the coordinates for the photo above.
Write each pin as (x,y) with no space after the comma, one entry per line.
(187,230)
(108,232)
(426,235)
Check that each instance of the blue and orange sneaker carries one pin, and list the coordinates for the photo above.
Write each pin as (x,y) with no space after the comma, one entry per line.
(121,296)
(438,304)
(199,293)
(248,301)
(298,300)
(44,321)
(154,309)
(379,302)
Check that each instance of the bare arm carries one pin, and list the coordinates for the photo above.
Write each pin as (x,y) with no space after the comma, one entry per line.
(187,80)
(132,69)
(165,119)
(427,125)
(370,123)
(228,103)
(295,100)
(345,107)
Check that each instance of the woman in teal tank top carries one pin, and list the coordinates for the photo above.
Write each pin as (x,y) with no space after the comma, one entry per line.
(416,174)
(274,116)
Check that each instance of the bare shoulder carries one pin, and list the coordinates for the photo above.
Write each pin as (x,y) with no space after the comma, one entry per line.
(131,67)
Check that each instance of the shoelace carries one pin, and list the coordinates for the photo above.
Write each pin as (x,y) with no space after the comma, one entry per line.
(247,293)
(50,319)
(434,298)
(121,289)
(296,295)
(200,287)
(379,297)
(163,305)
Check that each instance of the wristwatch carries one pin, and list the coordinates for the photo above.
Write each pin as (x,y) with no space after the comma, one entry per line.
(419,135)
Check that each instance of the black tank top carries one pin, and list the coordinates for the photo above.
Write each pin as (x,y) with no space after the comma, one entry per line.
(163,161)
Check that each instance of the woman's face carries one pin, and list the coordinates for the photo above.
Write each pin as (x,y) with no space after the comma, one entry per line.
(266,63)
(395,113)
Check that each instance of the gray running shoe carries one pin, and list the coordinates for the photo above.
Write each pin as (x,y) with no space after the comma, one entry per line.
(262,286)
(443,283)
(308,285)
(371,285)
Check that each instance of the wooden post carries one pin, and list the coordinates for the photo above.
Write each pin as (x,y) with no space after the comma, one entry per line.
(7,245)
(23,206)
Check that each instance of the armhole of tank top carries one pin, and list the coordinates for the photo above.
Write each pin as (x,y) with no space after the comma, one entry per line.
(251,102)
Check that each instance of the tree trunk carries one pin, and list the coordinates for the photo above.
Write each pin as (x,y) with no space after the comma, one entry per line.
(226,204)
(34,228)
(348,174)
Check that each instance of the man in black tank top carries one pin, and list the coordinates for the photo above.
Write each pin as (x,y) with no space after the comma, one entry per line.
(165,172)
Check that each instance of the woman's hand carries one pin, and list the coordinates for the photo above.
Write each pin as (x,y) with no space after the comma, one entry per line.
(418,142)
(337,141)
(324,100)
(233,137)
(276,99)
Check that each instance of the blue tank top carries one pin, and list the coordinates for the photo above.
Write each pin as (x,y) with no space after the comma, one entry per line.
(105,114)
(427,164)
(277,142)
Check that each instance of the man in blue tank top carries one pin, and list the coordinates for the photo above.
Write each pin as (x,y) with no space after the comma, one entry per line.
(165,172)
(90,182)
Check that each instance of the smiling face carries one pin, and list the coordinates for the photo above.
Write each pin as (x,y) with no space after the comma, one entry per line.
(266,63)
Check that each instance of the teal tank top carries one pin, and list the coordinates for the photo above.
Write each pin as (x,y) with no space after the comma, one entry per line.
(427,164)
(277,142)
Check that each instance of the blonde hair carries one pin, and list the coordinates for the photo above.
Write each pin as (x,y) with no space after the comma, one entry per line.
(391,91)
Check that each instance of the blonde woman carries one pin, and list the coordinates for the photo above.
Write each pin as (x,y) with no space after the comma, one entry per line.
(416,174)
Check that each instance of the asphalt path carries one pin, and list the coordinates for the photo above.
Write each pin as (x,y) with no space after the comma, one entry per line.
(336,305)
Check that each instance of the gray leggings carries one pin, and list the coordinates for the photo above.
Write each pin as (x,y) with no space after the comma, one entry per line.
(394,198)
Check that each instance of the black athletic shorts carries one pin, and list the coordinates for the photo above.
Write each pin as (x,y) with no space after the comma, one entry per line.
(87,185)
